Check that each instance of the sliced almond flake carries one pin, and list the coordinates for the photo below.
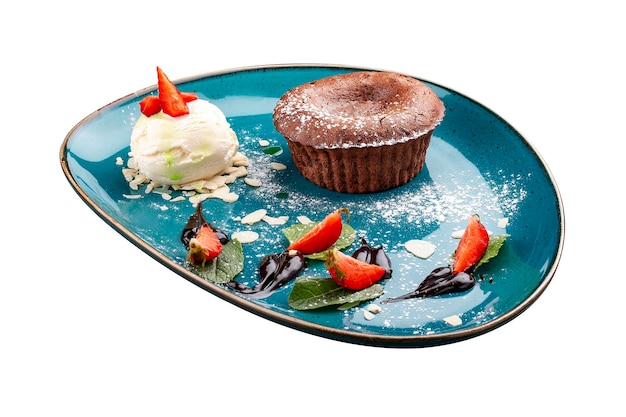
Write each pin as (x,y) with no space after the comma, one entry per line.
(119,161)
(215,182)
(457,234)
(166,196)
(162,189)
(239,172)
(246,236)
(137,181)
(177,199)
(264,142)
(374,308)
(132,164)
(420,248)
(454,320)
(219,180)
(195,199)
(230,197)
(253,182)
(229,178)
(129,174)
(209,185)
(504,222)
(278,166)
(254,217)
(240,160)
(304,219)
(195,185)
(132,196)
(275,221)
(221,192)
(368,315)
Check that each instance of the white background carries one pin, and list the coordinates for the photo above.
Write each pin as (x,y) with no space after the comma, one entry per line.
(91,326)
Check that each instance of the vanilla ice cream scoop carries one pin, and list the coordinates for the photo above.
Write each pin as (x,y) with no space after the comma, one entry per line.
(178,150)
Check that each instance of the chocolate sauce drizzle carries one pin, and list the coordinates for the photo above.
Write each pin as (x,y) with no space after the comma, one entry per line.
(275,270)
(440,281)
(373,255)
(195,222)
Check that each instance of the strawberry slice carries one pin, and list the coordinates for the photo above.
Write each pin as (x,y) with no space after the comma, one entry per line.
(150,105)
(187,97)
(205,246)
(352,273)
(172,101)
(472,246)
(169,99)
(322,236)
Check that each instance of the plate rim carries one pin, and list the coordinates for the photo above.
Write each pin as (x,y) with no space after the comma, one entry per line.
(375,340)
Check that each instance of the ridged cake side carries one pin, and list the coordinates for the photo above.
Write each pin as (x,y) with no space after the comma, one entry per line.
(361,170)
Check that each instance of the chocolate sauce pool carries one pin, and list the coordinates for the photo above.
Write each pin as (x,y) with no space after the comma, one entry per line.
(440,281)
(275,270)
(373,255)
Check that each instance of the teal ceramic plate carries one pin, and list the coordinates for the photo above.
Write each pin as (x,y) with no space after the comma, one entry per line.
(476,163)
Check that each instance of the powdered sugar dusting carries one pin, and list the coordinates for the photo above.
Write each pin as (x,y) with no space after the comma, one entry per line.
(441,193)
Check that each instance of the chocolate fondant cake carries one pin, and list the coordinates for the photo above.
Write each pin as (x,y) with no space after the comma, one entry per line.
(359,132)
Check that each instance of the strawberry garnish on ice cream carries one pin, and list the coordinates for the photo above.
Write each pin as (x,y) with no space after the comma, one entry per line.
(170,100)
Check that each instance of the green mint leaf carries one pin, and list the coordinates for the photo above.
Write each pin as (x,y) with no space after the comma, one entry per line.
(273,150)
(296,231)
(225,267)
(310,293)
(493,248)
(348,306)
